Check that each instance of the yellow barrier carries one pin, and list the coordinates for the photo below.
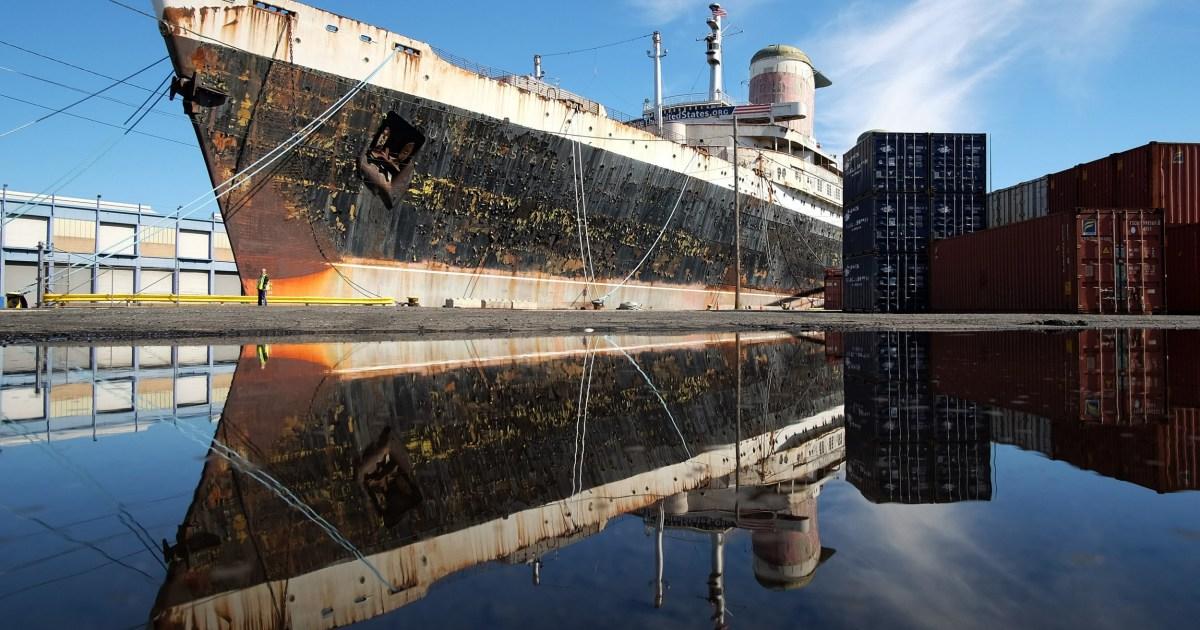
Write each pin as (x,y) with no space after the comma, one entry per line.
(140,298)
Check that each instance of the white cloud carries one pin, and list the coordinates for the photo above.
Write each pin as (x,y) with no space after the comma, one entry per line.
(924,66)
(662,11)
(665,11)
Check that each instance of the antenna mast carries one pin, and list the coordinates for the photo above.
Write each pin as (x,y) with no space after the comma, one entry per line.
(715,90)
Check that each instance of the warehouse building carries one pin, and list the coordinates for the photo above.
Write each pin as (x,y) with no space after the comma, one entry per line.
(98,246)
(50,394)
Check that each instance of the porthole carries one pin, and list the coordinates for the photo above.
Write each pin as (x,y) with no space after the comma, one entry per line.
(366,39)
(331,28)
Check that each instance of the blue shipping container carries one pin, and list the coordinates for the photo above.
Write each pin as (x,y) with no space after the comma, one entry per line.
(955,214)
(958,162)
(882,161)
(958,420)
(894,411)
(886,356)
(886,283)
(890,472)
(962,471)
(888,223)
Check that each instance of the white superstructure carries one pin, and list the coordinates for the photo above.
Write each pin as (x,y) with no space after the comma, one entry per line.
(304,35)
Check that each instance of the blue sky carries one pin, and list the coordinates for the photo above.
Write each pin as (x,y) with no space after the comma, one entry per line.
(1054,82)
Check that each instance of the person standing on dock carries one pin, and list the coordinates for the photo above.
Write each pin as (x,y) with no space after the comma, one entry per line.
(264,283)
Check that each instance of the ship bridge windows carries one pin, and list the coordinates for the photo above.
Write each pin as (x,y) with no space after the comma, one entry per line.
(331,28)
(366,39)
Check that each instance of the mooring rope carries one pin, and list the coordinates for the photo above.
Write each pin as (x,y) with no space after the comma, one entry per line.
(239,179)
(687,179)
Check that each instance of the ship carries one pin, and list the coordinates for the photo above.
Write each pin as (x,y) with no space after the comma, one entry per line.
(349,160)
(345,480)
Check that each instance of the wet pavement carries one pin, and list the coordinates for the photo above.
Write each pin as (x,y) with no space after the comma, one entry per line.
(215,324)
(758,479)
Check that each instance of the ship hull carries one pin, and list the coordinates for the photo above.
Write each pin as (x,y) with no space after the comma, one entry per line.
(481,466)
(404,196)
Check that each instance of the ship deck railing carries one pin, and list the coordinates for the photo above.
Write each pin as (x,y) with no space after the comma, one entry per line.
(550,91)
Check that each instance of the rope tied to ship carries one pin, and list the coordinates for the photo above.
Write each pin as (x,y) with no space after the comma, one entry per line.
(581,414)
(662,401)
(581,225)
(687,179)
(246,175)
(283,492)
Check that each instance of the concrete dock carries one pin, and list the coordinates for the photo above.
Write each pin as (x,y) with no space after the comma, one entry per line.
(249,323)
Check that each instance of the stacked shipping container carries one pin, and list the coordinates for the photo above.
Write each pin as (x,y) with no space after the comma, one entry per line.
(1157,175)
(1160,175)
(902,190)
(1102,400)
(1085,261)
(1021,202)
(920,413)
(1105,376)
(904,443)
(1182,267)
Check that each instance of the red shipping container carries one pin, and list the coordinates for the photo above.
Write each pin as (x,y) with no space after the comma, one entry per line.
(834,348)
(1183,367)
(1182,265)
(1094,376)
(1157,175)
(1160,175)
(833,289)
(1094,186)
(1181,455)
(1086,261)
(1122,376)
(1161,456)
(1033,373)
(1062,191)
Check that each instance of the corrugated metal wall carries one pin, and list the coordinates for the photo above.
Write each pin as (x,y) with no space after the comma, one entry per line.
(114,356)
(74,235)
(222,250)
(26,232)
(1024,201)
(158,242)
(156,282)
(116,239)
(193,283)
(20,277)
(227,284)
(193,245)
(114,281)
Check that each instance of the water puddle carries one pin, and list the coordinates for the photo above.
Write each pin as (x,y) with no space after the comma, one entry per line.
(901,479)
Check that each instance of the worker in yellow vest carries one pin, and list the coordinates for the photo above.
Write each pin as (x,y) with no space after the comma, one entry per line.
(264,355)
(264,284)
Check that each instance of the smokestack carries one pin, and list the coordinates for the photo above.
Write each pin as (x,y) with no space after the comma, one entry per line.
(657,54)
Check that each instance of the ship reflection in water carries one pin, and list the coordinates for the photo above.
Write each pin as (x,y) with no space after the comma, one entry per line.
(599,481)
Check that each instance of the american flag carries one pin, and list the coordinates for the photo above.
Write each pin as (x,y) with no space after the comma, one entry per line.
(755,110)
(718,11)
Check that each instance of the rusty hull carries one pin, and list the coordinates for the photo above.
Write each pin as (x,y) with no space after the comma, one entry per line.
(468,446)
(462,195)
